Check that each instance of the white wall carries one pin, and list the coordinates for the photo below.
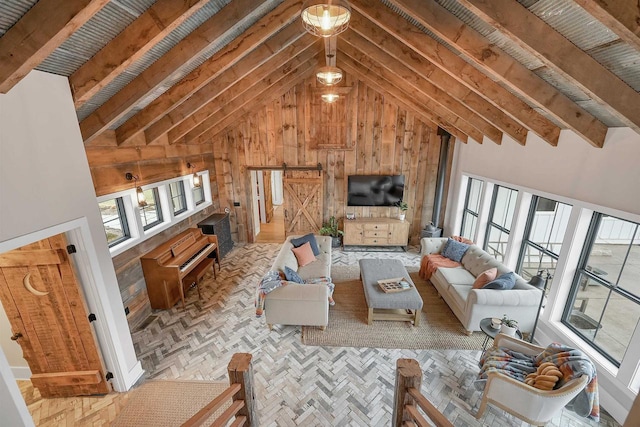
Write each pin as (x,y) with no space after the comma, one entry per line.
(46,186)
(606,180)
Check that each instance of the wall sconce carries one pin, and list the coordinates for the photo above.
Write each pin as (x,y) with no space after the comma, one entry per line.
(329,75)
(142,202)
(197,181)
(325,18)
(329,97)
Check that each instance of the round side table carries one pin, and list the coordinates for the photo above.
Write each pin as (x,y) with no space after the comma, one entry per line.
(490,333)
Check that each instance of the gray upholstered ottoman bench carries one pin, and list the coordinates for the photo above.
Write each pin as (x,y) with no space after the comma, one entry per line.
(403,306)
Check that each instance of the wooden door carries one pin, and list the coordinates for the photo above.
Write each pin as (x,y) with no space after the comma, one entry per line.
(267,196)
(303,196)
(42,298)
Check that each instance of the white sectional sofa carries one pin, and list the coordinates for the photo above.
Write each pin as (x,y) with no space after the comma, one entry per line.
(472,305)
(300,304)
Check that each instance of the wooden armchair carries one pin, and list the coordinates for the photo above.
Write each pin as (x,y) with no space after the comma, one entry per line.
(530,404)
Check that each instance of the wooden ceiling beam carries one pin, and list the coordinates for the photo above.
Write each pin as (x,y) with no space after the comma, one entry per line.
(505,68)
(620,16)
(129,46)
(398,80)
(558,53)
(200,120)
(105,156)
(146,82)
(257,65)
(394,51)
(382,22)
(38,33)
(255,36)
(244,91)
(395,95)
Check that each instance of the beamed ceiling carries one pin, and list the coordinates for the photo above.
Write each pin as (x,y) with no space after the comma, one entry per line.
(179,72)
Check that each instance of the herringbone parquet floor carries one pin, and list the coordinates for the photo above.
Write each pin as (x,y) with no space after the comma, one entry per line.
(296,385)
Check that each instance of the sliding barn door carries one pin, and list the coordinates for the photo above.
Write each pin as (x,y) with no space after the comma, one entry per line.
(42,298)
(303,198)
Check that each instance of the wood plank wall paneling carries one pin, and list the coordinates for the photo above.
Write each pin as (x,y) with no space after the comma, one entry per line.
(152,163)
(386,139)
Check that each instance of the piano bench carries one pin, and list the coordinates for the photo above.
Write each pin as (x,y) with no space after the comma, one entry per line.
(196,275)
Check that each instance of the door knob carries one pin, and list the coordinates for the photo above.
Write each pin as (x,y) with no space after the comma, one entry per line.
(16,336)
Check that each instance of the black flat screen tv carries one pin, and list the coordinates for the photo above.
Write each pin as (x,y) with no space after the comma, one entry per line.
(375,190)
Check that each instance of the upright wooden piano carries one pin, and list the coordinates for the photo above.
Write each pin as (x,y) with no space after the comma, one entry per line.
(166,266)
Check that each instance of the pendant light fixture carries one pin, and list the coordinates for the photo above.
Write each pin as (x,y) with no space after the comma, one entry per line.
(329,98)
(142,201)
(329,75)
(325,18)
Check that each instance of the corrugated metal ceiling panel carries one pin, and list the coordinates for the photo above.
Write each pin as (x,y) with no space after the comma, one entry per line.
(562,84)
(601,112)
(622,59)
(467,17)
(514,50)
(90,38)
(574,23)
(189,66)
(11,12)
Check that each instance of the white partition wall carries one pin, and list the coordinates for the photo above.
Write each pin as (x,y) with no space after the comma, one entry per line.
(46,188)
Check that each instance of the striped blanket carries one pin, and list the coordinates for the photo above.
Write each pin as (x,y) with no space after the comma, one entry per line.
(571,362)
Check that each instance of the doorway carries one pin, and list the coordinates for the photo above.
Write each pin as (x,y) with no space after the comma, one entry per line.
(268,213)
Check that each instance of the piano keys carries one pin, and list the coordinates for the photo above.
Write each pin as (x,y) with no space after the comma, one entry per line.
(166,266)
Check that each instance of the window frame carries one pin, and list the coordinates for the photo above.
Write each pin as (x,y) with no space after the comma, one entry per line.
(158,204)
(122,215)
(200,190)
(182,196)
(527,234)
(466,205)
(490,223)
(582,271)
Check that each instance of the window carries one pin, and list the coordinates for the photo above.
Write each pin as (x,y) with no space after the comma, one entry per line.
(503,204)
(198,194)
(543,236)
(604,304)
(178,200)
(151,215)
(114,221)
(471,208)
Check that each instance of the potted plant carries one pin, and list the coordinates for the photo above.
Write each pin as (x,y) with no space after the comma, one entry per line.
(508,326)
(404,207)
(331,229)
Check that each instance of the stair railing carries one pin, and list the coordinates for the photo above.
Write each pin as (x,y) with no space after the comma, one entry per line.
(241,393)
(408,398)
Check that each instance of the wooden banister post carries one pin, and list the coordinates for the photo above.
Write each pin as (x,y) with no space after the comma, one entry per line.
(241,372)
(408,374)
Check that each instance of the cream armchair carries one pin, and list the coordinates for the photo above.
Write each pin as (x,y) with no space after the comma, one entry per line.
(530,404)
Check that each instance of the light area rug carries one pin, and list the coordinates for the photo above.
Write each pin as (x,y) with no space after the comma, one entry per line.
(439,328)
(169,403)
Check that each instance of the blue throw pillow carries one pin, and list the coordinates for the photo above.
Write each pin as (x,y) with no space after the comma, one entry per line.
(454,250)
(292,276)
(307,238)
(503,283)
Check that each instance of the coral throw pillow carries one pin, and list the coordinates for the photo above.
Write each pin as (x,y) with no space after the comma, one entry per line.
(485,277)
(304,254)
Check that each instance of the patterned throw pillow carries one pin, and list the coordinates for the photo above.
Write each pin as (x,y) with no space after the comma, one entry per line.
(307,238)
(304,254)
(505,282)
(292,276)
(454,250)
(485,277)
